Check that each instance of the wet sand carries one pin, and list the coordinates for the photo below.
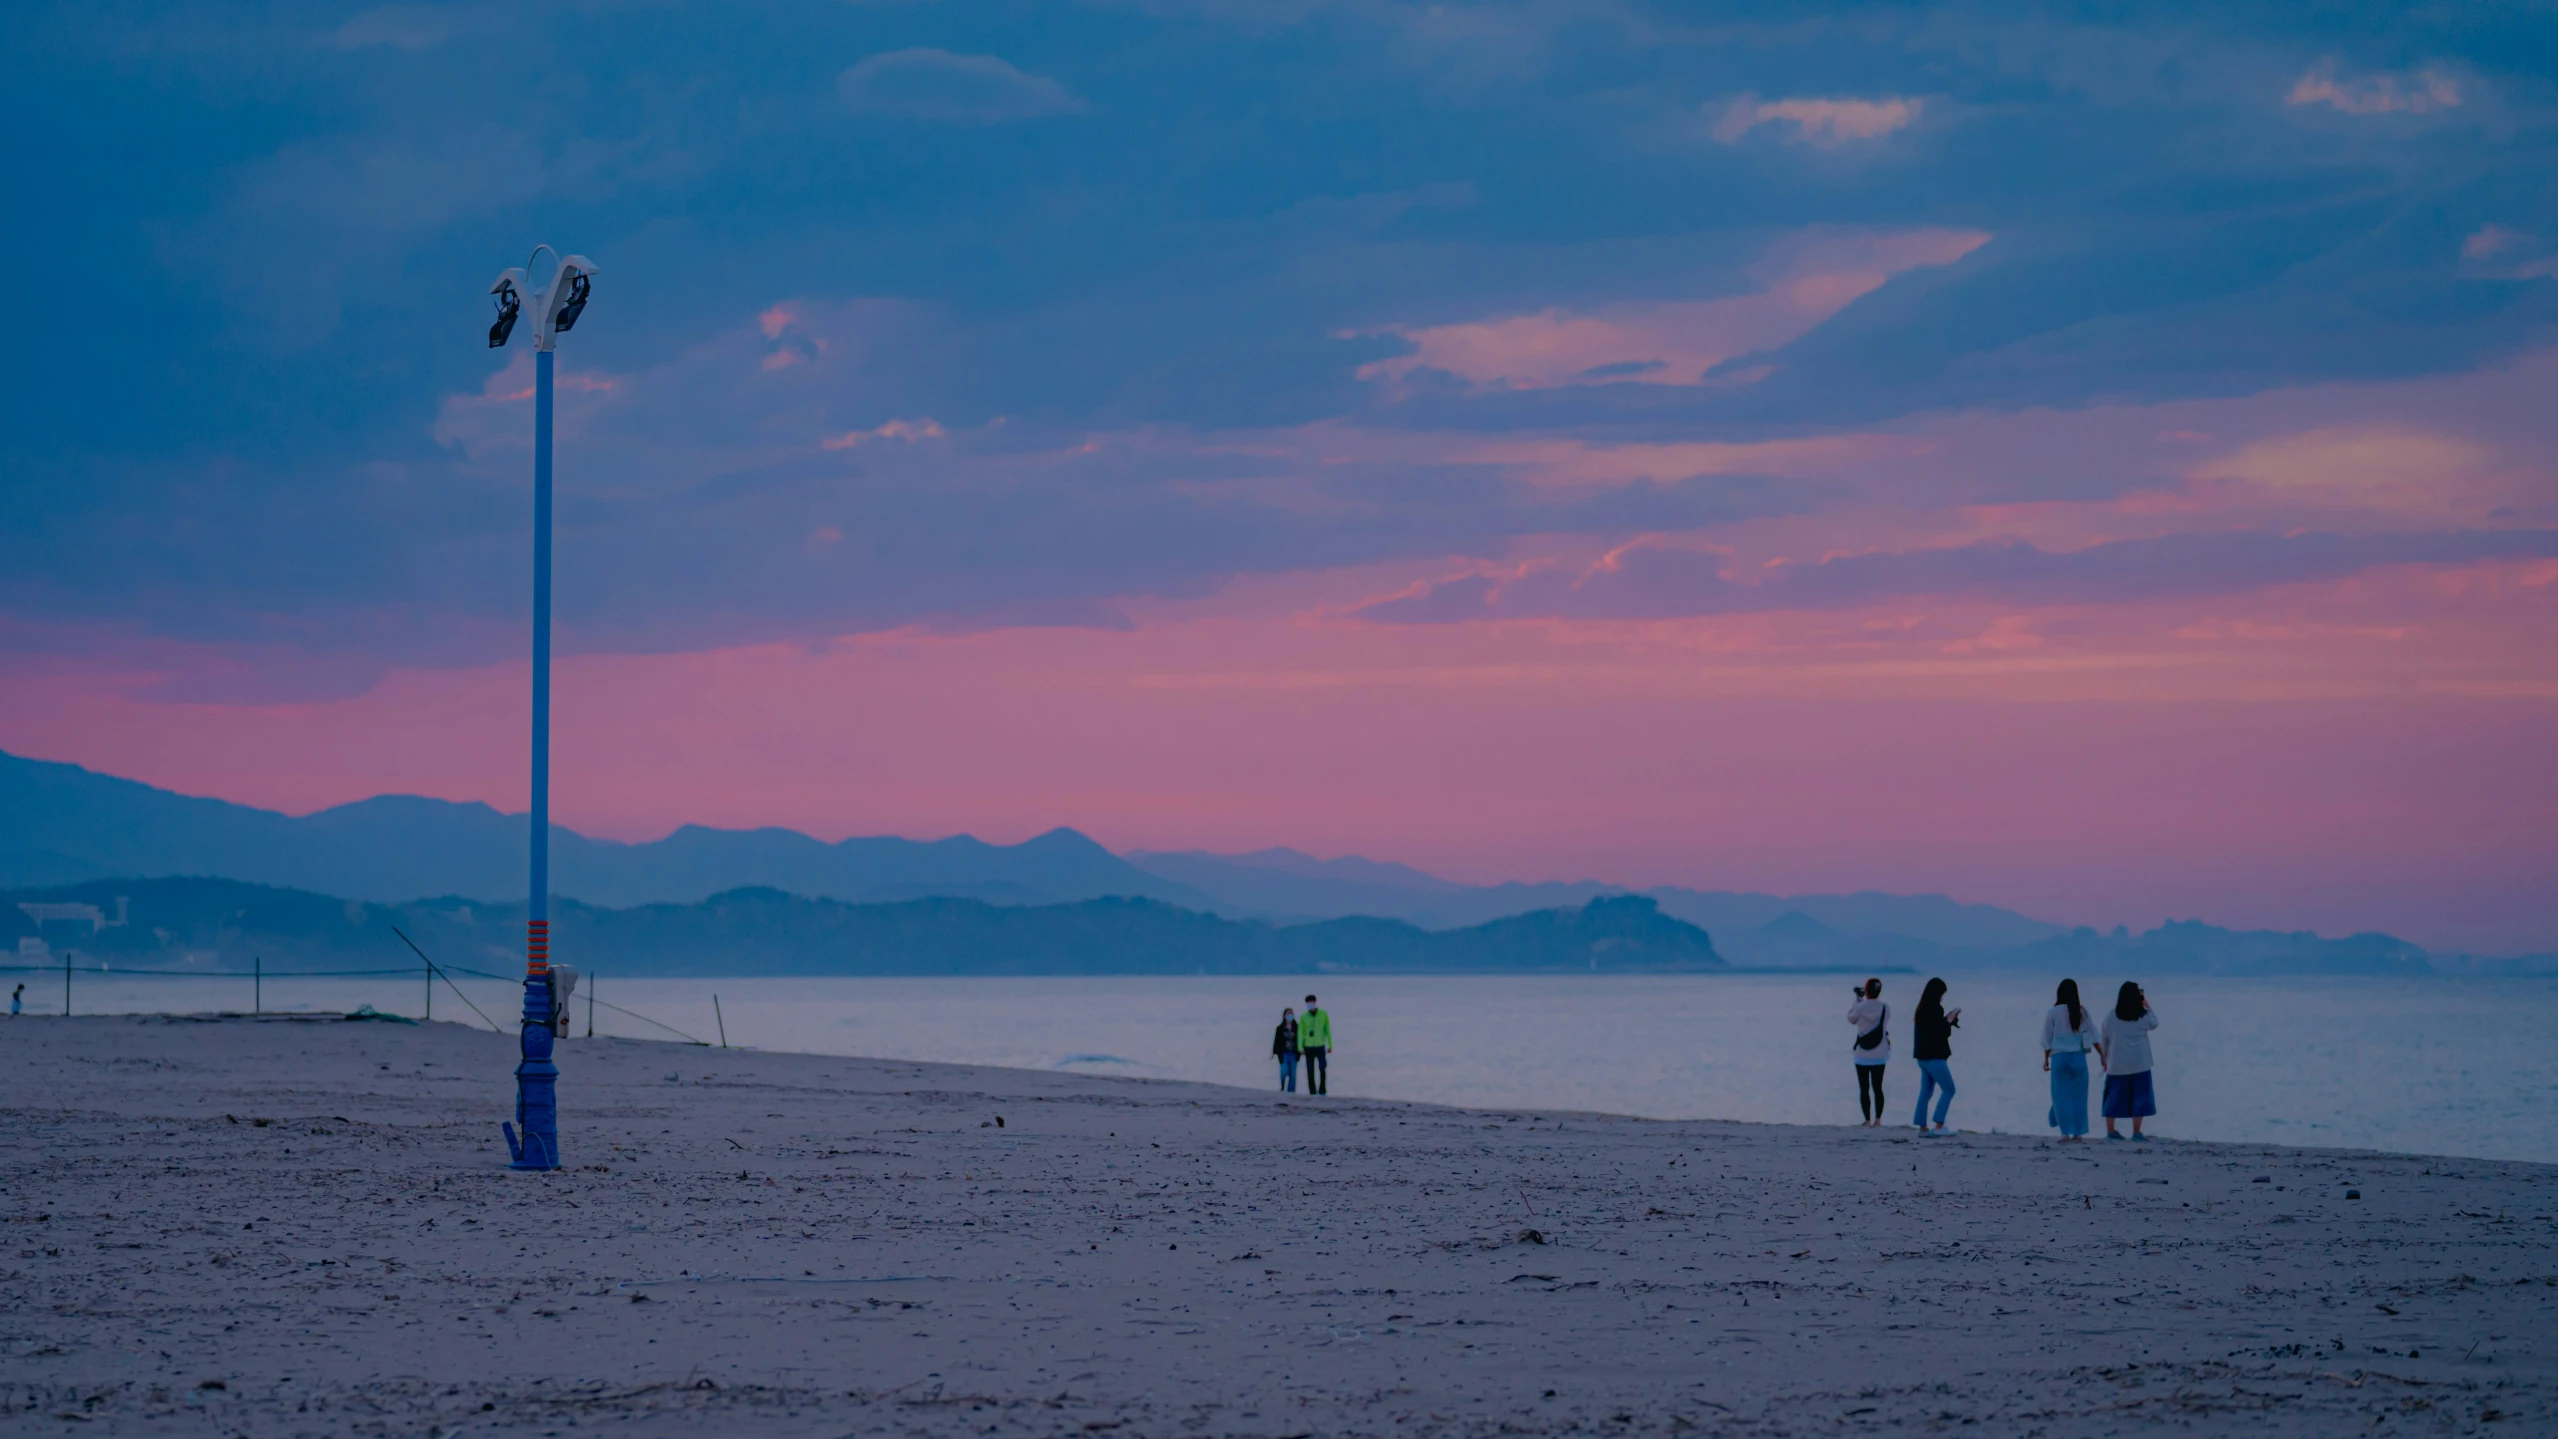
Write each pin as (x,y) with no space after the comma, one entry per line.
(276,1227)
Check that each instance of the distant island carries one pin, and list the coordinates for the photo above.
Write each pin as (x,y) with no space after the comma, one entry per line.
(218,925)
(711,901)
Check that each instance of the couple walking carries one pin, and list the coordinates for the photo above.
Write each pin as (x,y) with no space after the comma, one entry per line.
(1932,1029)
(1309,1038)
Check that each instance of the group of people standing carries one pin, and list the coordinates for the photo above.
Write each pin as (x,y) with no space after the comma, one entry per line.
(1308,1039)
(2120,1041)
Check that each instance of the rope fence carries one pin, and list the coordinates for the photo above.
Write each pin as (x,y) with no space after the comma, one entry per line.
(258,974)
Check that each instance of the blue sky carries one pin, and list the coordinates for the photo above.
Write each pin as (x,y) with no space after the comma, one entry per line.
(267,228)
(955,317)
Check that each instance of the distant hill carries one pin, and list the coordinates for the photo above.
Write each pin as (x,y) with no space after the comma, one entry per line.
(219,926)
(2192,947)
(60,823)
(1287,884)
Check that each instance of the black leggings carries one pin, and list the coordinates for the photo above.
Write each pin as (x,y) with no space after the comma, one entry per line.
(1869,1090)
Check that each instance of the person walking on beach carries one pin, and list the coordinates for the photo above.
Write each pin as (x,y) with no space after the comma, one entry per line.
(1872,1048)
(2069,1032)
(1932,1044)
(1314,1042)
(1284,1045)
(2123,1043)
(17,1000)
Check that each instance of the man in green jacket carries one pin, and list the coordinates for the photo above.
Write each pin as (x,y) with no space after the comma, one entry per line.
(1314,1045)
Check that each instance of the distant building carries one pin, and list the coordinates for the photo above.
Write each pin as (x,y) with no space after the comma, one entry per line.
(88,914)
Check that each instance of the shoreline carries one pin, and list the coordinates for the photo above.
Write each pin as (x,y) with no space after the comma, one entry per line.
(2389,1066)
(323,1227)
(1903,1083)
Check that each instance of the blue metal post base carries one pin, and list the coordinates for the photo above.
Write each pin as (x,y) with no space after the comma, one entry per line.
(537,1106)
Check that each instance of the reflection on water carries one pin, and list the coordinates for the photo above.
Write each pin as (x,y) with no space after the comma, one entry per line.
(2430,1066)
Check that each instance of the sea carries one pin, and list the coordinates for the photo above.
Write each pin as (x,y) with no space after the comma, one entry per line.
(2414,1065)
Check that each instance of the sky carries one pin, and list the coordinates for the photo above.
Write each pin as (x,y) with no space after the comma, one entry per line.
(2099,460)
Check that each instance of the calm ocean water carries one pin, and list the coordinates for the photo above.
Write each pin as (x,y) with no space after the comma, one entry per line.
(2424,1066)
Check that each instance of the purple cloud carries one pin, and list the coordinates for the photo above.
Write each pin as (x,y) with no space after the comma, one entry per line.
(1652,582)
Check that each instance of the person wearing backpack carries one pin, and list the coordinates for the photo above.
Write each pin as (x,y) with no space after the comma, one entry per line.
(1283,1045)
(1314,1043)
(1872,1047)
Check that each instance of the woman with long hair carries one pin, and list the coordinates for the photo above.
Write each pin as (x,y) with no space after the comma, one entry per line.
(1932,1044)
(1871,1018)
(1283,1047)
(2069,1032)
(2124,1046)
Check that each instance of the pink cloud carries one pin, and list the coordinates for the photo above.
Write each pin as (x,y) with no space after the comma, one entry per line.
(2421,92)
(2498,250)
(2365,745)
(1762,752)
(908,431)
(2489,241)
(1826,123)
(2372,463)
(1673,342)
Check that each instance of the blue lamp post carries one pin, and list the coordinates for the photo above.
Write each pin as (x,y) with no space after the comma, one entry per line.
(556,306)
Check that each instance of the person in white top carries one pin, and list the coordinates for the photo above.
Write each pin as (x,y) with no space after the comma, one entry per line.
(2069,1035)
(2123,1043)
(1872,1047)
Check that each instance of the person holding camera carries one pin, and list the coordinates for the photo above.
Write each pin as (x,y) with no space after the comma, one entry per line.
(1871,1049)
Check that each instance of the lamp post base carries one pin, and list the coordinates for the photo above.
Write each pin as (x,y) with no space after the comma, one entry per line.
(537,1106)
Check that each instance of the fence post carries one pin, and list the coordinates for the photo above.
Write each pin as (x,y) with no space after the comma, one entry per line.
(590,1006)
(723,1021)
(66,984)
(257,985)
(430,994)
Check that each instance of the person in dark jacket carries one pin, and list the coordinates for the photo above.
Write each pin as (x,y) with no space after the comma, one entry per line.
(1932,1036)
(1284,1045)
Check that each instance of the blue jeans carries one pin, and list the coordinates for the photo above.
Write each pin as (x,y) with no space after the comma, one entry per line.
(2069,1093)
(1933,1075)
(1288,1076)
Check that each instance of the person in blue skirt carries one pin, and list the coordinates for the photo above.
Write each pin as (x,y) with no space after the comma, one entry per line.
(2123,1044)
(2069,1036)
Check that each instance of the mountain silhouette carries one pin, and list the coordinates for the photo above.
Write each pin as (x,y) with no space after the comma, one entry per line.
(1751,928)
(217,926)
(61,824)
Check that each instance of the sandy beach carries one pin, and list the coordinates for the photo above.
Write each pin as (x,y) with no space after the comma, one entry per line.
(277,1226)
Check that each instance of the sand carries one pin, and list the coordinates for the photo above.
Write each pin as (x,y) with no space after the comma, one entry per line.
(274,1227)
